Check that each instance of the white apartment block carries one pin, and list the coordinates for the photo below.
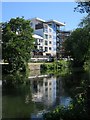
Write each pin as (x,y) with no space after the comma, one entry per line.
(47,35)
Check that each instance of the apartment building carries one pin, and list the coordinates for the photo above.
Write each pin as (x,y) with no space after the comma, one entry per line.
(47,34)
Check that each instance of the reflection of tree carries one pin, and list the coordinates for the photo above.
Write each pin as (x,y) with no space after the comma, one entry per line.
(14,80)
(71,81)
(27,99)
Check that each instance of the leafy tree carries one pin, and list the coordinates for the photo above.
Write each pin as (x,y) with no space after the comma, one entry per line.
(83,7)
(77,45)
(85,22)
(17,44)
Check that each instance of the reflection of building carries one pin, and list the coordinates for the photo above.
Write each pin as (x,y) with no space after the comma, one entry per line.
(65,100)
(44,90)
(62,98)
(48,37)
(59,89)
(48,90)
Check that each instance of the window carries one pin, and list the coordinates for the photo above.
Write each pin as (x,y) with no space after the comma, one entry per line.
(50,88)
(50,30)
(49,48)
(50,36)
(39,26)
(50,25)
(46,36)
(45,30)
(46,49)
(50,42)
(50,83)
(46,83)
(58,44)
(45,26)
(46,89)
(40,47)
(40,40)
(58,27)
(46,42)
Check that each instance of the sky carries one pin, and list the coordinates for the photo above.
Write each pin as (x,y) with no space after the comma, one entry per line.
(60,11)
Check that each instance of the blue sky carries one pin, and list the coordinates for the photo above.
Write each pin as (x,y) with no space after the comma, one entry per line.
(61,11)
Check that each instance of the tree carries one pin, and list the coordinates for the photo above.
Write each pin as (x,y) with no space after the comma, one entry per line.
(77,45)
(85,22)
(83,7)
(17,44)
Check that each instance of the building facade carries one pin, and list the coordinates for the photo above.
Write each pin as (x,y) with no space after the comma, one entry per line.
(48,41)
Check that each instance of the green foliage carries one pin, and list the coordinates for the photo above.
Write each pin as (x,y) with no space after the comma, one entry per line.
(60,66)
(13,80)
(78,44)
(78,109)
(70,113)
(85,22)
(78,48)
(17,44)
(87,65)
(75,111)
(83,6)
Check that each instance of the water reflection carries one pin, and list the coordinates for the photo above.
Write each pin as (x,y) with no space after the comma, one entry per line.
(44,90)
(41,94)
(48,90)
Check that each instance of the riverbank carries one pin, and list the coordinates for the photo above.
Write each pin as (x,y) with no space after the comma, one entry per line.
(37,66)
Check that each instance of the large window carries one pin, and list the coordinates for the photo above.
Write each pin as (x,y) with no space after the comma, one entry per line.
(40,47)
(50,48)
(46,36)
(50,36)
(46,42)
(46,49)
(50,30)
(45,28)
(50,42)
(39,26)
(50,25)
(40,40)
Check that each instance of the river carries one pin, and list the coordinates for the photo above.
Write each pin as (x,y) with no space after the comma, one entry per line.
(41,94)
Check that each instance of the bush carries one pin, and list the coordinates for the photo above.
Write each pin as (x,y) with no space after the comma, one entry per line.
(87,65)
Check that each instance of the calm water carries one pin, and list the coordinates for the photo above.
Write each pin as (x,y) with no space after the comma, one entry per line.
(41,94)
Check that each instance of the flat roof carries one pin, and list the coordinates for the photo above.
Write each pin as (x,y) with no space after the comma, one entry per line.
(39,19)
(48,21)
(57,22)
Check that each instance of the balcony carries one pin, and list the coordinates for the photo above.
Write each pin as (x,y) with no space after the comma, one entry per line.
(39,26)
